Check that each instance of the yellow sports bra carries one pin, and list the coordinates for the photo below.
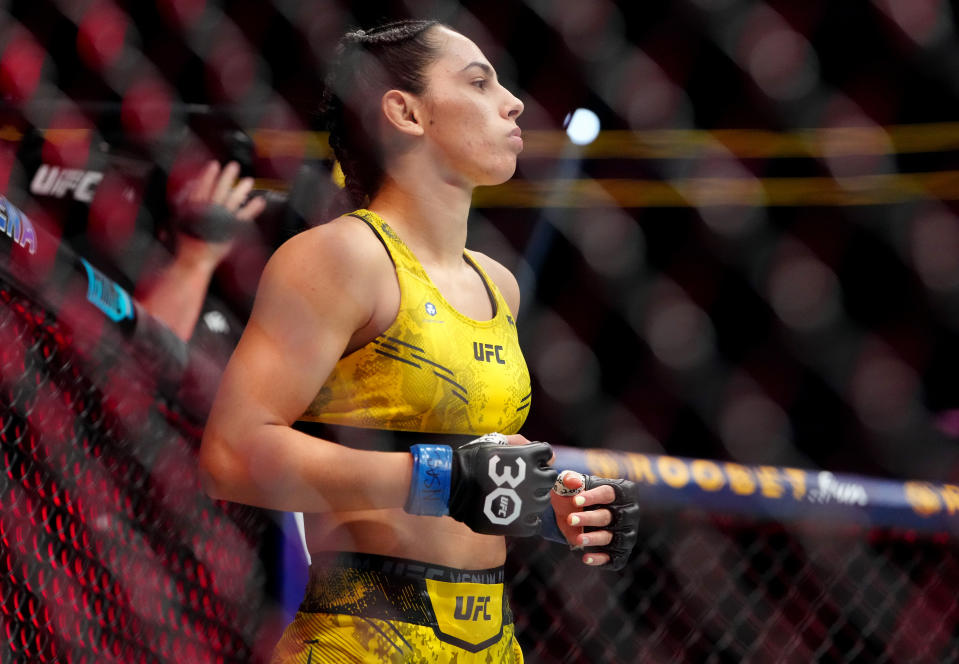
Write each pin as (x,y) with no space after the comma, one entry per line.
(434,370)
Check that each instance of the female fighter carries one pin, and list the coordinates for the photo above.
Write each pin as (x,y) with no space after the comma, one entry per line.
(381,320)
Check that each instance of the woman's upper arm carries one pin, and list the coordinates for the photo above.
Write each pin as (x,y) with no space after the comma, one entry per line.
(307,308)
(317,292)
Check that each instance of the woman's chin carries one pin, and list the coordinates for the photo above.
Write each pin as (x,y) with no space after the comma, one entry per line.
(499,176)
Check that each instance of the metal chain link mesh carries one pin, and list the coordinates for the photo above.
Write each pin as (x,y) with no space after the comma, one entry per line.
(713,590)
(110,552)
(758,263)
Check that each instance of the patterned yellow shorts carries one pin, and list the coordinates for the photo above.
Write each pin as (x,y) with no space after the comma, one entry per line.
(368,608)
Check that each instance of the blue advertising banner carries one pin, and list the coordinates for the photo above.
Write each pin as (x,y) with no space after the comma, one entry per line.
(774,492)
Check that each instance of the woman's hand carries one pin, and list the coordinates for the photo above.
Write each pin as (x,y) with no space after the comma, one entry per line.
(612,531)
(214,208)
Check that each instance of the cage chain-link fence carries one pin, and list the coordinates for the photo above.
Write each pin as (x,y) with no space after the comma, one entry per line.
(702,589)
(757,263)
(110,552)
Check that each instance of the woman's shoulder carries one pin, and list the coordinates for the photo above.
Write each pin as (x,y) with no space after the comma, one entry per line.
(342,242)
(338,253)
(503,278)
(336,269)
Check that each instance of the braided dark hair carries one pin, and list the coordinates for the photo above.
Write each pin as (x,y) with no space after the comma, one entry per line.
(367,64)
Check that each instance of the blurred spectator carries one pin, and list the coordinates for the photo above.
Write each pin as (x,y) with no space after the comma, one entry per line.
(213,207)
(160,220)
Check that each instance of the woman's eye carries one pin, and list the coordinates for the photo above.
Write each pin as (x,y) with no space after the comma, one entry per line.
(480,83)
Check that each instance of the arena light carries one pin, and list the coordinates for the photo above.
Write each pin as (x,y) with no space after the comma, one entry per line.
(582,126)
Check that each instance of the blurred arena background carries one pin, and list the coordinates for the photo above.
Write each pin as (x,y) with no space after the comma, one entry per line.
(755,261)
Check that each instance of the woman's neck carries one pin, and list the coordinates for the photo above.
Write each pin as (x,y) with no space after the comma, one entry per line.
(430,217)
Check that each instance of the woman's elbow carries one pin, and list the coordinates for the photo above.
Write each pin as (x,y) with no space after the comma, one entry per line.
(217,474)
(211,484)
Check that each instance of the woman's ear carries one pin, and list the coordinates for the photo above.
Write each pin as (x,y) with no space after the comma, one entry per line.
(403,111)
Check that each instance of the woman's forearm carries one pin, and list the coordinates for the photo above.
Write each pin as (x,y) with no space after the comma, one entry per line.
(279,468)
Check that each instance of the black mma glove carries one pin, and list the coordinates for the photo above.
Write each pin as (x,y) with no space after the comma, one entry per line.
(211,223)
(493,487)
(624,512)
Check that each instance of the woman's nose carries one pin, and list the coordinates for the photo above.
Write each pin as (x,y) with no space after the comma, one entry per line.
(515,107)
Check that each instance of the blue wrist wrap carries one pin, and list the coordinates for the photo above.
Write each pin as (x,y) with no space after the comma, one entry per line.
(430,486)
(549,529)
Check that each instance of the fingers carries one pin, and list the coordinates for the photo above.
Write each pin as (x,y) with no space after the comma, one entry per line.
(214,185)
(236,196)
(225,183)
(572,480)
(517,439)
(203,185)
(601,495)
(583,518)
(595,559)
(593,518)
(252,209)
(594,538)
(220,187)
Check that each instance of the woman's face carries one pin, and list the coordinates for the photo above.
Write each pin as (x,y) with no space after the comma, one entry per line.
(470,119)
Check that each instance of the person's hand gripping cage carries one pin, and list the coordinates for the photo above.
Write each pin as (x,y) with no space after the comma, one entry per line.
(595,514)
